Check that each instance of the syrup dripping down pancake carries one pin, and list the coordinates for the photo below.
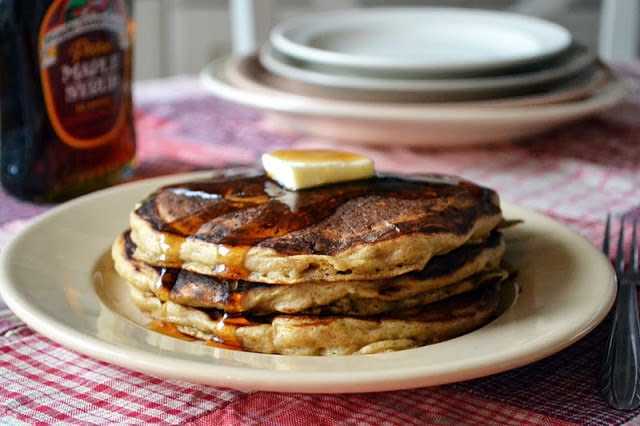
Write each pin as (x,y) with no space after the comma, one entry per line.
(330,334)
(249,228)
(463,269)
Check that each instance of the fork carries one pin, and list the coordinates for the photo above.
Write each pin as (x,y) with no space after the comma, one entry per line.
(620,374)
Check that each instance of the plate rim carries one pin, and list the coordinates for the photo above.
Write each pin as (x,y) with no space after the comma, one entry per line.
(278,36)
(214,80)
(577,61)
(238,72)
(262,379)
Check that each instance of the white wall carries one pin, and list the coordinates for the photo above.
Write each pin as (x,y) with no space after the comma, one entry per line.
(181,36)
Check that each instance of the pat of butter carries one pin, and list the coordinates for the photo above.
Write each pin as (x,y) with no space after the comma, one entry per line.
(299,169)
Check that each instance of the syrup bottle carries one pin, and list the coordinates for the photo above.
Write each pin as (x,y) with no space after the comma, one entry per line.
(65,96)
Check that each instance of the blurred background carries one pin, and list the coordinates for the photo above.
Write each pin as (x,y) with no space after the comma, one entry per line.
(181,36)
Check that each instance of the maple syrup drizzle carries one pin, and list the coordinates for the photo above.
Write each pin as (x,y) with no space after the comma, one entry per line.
(231,293)
(225,337)
(167,278)
(241,212)
(225,334)
(168,329)
(222,345)
(231,262)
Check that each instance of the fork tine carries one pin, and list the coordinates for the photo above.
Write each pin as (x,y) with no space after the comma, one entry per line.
(634,248)
(620,374)
(607,241)
(620,253)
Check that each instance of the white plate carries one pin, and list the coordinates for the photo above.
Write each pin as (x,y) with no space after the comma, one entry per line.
(419,39)
(575,60)
(247,73)
(408,124)
(49,274)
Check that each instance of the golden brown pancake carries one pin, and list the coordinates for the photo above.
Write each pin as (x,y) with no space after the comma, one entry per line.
(374,265)
(250,228)
(458,271)
(331,334)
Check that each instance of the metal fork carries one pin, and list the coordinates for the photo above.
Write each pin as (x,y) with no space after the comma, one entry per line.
(620,375)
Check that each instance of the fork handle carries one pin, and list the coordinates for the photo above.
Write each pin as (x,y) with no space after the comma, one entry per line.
(621,371)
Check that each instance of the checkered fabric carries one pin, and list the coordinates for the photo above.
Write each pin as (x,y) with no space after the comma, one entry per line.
(575,174)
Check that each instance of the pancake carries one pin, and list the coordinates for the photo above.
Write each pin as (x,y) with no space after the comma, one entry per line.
(330,335)
(250,228)
(458,271)
(364,266)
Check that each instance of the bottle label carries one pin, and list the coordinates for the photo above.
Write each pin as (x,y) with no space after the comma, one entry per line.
(83,46)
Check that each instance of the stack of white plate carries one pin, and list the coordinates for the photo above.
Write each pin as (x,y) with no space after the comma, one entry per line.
(418,76)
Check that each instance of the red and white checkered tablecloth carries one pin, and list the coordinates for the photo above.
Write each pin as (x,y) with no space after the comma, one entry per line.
(575,174)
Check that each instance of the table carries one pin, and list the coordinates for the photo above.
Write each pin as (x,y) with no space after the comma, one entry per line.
(575,174)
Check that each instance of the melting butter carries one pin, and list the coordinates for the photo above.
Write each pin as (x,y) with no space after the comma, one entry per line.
(299,169)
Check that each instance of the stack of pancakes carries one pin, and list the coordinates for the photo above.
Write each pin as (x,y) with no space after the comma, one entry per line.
(373,265)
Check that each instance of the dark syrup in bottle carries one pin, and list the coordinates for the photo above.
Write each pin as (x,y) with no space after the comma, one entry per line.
(65,96)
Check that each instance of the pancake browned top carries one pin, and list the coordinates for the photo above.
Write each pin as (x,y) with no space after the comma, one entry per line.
(249,227)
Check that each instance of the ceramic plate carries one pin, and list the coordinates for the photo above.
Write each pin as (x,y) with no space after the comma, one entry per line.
(408,124)
(576,60)
(56,276)
(419,39)
(248,73)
